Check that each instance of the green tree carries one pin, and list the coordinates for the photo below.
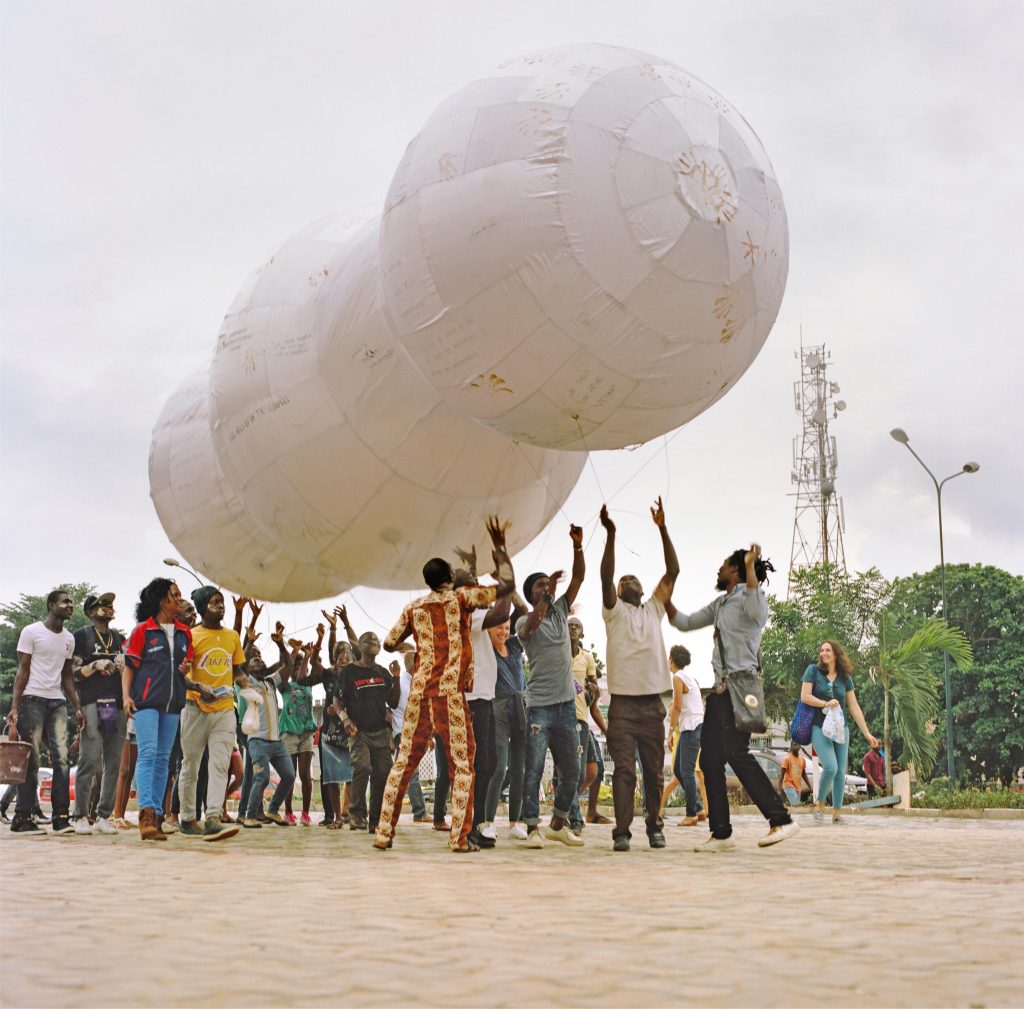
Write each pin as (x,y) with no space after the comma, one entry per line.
(14,617)
(910,688)
(987,604)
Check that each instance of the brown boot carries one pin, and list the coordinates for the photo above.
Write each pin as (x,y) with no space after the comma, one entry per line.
(149,830)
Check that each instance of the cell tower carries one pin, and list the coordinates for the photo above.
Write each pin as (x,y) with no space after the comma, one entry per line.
(819,522)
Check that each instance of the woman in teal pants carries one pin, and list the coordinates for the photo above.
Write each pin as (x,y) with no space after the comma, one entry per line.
(828,683)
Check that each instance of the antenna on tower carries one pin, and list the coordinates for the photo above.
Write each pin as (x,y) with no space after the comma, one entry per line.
(819,522)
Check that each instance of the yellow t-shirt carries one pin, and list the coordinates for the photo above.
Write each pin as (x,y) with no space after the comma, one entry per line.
(583,665)
(214,654)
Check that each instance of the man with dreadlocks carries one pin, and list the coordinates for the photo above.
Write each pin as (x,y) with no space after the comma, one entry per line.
(739,616)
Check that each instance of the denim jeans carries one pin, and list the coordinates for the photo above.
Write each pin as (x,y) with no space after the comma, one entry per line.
(98,752)
(510,757)
(265,753)
(682,768)
(721,743)
(415,789)
(554,725)
(154,731)
(37,715)
(575,813)
(246,789)
(833,757)
(792,795)
(482,712)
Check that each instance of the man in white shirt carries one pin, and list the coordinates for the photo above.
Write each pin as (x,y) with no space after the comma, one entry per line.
(42,687)
(637,677)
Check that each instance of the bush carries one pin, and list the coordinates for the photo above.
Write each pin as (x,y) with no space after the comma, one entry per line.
(939,795)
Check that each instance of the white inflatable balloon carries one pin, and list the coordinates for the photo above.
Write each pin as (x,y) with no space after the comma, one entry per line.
(207,521)
(343,454)
(586,249)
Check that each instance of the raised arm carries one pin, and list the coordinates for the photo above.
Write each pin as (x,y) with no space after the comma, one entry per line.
(519,608)
(503,572)
(608,595)
(668,580)
(240,604)
(540,611)
(579,564)
(353,638)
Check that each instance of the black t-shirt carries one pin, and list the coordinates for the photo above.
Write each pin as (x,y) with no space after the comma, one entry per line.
(332,728)
(92,647)
(364,693)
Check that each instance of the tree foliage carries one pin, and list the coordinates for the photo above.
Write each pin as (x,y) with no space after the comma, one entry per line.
(987,604)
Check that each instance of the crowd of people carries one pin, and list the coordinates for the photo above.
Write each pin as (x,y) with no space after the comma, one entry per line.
(192,710)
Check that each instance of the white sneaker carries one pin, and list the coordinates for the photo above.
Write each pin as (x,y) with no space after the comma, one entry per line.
(487,830)
(776,834)
(565,835)
(713,844)
(103,826)
(169,827)
(83,826)
(534,840)
(517,831)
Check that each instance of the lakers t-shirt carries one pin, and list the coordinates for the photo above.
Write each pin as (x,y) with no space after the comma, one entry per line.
(214,654)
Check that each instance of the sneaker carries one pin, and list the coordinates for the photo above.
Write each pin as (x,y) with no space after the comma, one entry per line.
(563,834)
(517,831)
(251,823)
(26,826)
(274,817)
(776,834)
(621,843)
(190,828)
(325,823)
(216,830)
(4,818)
(305,820)
(104,826)
(82,826)
(475,837)
(40,817)
(713,844)
(291,819)
(122,824)
(487,830)
(357,823)
(62,825)
(656,839)
(818,816)
(836,818)
(534,840)
(689,821)
(170,826)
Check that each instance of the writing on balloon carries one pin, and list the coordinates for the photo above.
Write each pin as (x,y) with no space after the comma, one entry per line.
(261,411)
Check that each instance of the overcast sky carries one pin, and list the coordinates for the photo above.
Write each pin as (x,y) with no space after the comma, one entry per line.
(152,154)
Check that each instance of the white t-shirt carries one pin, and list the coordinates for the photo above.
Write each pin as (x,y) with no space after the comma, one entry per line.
(49,652)
(398,714)
(637,663)
(692,713)
(485,663)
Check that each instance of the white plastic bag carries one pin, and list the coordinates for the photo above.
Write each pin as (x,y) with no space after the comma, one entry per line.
(251,718)
(834,727)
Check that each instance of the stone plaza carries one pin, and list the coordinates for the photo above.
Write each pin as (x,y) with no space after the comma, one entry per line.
(884,910)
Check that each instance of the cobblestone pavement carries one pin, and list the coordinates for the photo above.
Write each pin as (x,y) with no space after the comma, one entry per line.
(879,911)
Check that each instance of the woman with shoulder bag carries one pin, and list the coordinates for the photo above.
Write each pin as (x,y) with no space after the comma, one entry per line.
(828,684)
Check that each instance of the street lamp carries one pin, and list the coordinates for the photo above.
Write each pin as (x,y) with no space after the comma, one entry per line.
(173,562)
(898,434)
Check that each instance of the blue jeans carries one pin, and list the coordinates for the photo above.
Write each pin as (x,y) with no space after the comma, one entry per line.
(510,753)
(554,725)
(154,732)
(265,753)
(37,715)
(792,795)
(415,789)
(683,766)
(833,757)
(575,814)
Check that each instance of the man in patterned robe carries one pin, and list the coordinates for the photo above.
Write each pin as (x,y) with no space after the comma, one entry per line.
(440,624)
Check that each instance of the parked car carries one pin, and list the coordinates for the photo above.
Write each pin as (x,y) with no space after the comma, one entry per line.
(44,784)
(771,764)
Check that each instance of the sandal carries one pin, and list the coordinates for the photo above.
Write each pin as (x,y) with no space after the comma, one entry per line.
(327,823)
(598,818)
(463,849)
(335,825)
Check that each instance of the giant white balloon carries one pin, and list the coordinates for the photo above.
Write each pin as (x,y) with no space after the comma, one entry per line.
(584,250)
(207,521)
(343,454)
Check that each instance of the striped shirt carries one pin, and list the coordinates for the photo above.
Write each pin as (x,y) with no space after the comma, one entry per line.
(441,626)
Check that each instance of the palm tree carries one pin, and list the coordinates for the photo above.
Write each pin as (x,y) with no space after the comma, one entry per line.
(905,674)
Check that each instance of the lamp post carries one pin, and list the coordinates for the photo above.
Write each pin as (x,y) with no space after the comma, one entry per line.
(173,562)
(898,434)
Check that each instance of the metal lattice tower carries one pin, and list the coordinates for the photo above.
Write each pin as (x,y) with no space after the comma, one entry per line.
(819,522)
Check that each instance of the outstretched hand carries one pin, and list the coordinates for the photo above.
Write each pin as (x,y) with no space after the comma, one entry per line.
(576,535)
(753,555)
(278,634)
(331,618)
(658,513)
(256,609)
(496,530)
(468,557)
(240,603)
(606,521)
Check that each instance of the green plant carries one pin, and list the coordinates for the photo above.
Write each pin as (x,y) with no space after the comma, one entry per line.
(938,794)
